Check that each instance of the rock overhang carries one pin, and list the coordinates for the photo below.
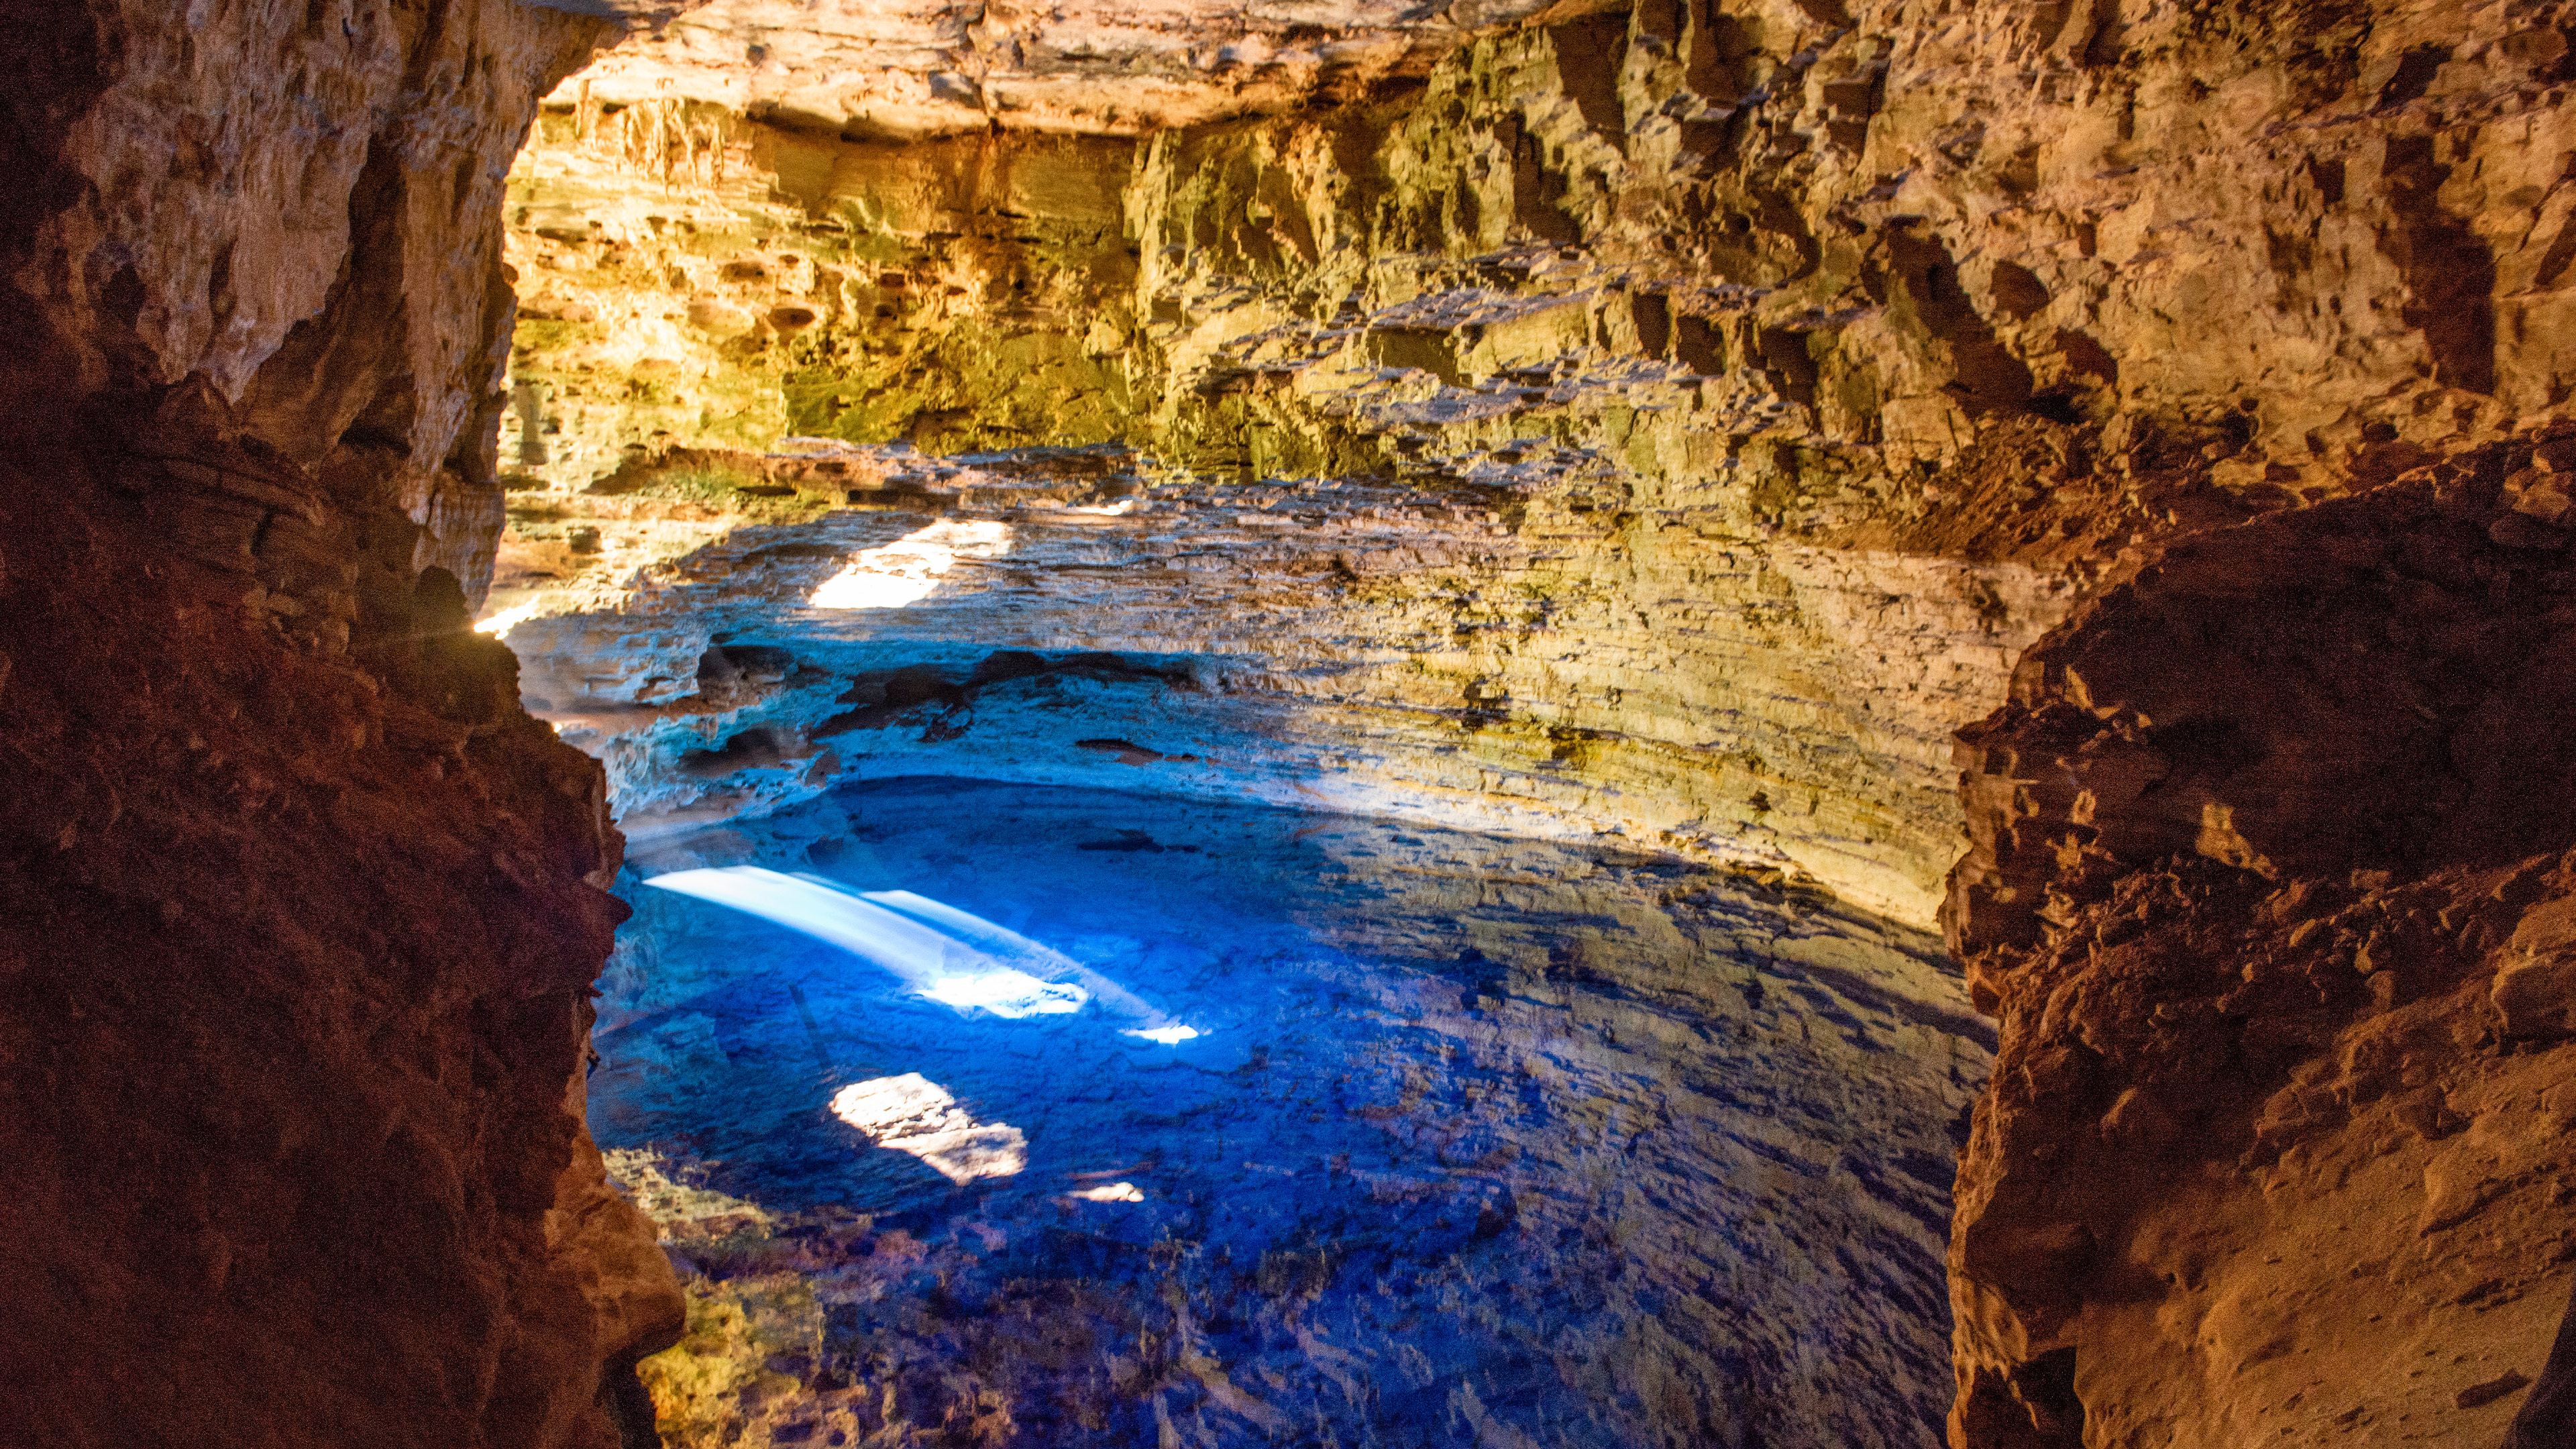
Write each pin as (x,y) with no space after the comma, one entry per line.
(889,70)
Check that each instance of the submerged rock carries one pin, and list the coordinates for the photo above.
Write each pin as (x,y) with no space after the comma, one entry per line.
(1465,1138)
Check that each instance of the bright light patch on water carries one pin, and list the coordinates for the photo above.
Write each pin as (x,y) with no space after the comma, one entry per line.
(1008,993)
(916,1115)
(953,958)
(1002,944)
(500,624)
(905,571)
(901,945)
(1166,1035)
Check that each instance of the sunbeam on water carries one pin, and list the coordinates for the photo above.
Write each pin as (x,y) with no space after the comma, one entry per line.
(1307,1129)
(948,955)
(914,1114)
(907,570)
(1007,993)
(899,944)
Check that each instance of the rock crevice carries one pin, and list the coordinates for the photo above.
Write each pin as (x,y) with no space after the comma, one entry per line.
(2270,864)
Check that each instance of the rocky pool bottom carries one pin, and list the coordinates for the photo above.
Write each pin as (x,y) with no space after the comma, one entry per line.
(1481,1140)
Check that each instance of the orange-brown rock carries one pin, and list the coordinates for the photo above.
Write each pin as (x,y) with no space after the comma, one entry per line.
(2271,893)
(298,908)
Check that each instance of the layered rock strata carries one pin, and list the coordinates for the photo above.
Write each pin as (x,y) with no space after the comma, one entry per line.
(1378,648)
(298,908)
(1735,343)
(914,70)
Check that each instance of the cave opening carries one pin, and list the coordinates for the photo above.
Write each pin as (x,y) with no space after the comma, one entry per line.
(1038,1009)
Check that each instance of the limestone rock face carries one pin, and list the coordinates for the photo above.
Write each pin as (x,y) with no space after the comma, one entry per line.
(225,205)
(1803,403)
(918,69)
(1395,649)
(2270,894)
(298,908)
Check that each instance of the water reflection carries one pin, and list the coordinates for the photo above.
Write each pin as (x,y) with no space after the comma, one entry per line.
(1482,1141)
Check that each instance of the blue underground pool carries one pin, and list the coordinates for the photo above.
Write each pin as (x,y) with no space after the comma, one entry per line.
(1120,1120)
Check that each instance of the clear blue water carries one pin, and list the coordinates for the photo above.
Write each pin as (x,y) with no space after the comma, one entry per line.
(1485,1140)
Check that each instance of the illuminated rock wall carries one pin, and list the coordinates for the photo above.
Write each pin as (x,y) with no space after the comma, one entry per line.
(1393,649)
(1802,403)
(907,69)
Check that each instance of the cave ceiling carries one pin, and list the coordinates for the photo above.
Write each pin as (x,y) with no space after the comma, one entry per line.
(883,69)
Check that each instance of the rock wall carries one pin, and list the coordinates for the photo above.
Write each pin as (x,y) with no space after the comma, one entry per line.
(1395,649)
(2270,892)
(299,908)
(915,69)
(1812,361)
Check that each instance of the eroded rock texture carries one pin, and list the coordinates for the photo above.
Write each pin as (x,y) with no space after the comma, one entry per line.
(919,69)
(298,907)
(2270,893)
(1408,648)
(1814,360)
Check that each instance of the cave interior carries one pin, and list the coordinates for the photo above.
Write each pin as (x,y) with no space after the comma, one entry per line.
(1749,723)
